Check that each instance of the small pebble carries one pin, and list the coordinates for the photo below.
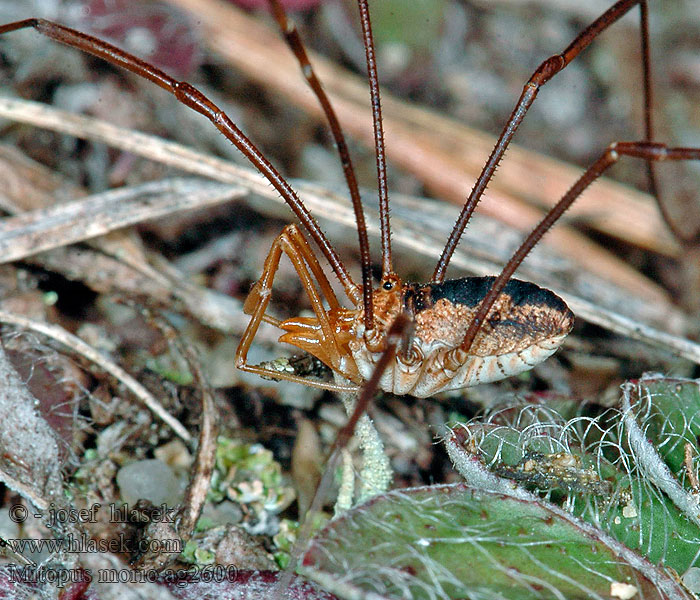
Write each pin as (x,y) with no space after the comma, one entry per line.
(151,480)
(224,513)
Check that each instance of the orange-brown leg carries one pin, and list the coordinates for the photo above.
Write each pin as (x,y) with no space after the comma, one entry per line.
(293,244)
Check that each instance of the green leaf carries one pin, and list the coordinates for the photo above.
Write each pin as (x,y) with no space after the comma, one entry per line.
(607,469)
(457,542)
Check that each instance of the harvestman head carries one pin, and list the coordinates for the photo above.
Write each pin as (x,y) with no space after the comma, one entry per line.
(458,332)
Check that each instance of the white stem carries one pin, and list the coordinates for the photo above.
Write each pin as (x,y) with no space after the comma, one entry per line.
(347,484)
(376,474)
(650,464)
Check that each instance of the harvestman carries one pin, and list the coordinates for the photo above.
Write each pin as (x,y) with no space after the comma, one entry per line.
(455,333)
(461,332)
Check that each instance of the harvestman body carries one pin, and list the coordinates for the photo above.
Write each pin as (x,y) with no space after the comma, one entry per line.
(454,333)
(526,326)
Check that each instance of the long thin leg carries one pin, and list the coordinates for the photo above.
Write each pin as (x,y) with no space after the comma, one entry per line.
(294,236)
(548,69)
(192,97)
(649,129)
(292,243)
(293,39)
(383,186)
(648,151)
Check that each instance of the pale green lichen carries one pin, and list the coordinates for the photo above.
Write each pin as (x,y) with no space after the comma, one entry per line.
(195,555)
(178,374)
(284,541)
(248,475)
(346,490)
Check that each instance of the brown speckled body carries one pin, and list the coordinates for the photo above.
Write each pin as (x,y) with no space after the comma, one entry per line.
(525,326)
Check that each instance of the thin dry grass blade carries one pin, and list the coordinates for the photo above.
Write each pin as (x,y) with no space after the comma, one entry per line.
(62,224)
